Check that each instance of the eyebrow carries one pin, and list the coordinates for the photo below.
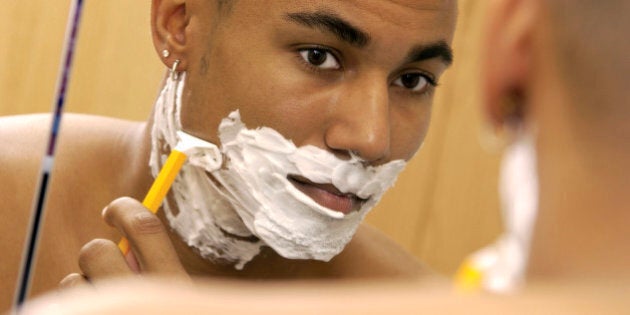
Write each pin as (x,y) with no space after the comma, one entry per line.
(345,31)
(439,49)
(331,23)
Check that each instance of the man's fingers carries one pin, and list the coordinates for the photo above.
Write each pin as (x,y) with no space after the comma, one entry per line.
(146,234)
(73,280)
(101,258)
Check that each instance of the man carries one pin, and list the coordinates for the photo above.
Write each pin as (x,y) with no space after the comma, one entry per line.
(561,99)
(353,79)
(557,72)
(570,95)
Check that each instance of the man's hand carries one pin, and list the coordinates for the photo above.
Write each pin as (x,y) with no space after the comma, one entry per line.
(151,249)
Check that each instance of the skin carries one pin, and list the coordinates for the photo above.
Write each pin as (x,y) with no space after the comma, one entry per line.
(383,297)
(581,137)
(246,59)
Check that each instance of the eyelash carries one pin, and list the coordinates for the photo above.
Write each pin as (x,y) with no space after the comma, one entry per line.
(431,81)
(312,67)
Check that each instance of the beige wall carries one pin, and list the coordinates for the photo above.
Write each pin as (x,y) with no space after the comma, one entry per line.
(443,206)
(115,71)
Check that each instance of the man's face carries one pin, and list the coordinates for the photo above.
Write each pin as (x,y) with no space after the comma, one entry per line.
(350,75)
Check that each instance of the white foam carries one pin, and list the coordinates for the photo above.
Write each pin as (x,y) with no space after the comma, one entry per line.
(242,188)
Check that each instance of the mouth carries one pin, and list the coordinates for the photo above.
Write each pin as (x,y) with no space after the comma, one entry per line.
(327,195)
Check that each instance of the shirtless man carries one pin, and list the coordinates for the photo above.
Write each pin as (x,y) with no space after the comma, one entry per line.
(352,78)
(568,97)
(563,64)
(559,74)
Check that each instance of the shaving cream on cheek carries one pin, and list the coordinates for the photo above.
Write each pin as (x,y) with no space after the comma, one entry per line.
(231,203)
(194,208)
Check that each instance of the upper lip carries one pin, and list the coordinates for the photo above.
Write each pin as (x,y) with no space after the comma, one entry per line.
(328,188)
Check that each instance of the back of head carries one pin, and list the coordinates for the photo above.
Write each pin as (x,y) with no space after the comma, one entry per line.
(585,174)
(591,51)
(560,69)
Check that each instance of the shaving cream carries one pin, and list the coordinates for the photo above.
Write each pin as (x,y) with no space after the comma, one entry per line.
(230,200)
(504,263)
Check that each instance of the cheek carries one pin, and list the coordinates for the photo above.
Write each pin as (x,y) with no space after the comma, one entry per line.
(297,112)
(408,131)
(280,96)
(271,92)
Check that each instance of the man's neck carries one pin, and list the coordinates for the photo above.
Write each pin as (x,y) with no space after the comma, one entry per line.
(582,228)
(135,144)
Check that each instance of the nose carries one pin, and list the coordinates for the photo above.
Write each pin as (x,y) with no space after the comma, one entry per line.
(360,121)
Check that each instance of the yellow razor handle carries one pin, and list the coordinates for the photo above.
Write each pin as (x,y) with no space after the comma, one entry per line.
(154,198)
(468,278)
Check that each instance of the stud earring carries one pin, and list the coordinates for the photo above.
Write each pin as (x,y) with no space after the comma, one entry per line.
(166,53)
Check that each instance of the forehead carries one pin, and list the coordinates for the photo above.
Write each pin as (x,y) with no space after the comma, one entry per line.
(381,18)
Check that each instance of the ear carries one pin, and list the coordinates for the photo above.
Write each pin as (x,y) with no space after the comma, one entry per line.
(507,56)
(168,27)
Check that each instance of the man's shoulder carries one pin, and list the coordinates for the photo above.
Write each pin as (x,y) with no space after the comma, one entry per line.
(23,138)
(22,144)
(23,141)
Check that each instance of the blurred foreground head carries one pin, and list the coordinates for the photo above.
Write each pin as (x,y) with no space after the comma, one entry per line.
(559,70)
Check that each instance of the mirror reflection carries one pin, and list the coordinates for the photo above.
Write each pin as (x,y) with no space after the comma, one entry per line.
(345,97)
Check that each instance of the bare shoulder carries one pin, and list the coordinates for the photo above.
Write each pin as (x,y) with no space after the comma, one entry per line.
(148,296)
(374,253)
(22,135)
(23,141)
(23,144)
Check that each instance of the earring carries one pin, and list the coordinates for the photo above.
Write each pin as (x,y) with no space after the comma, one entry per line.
(166,53)
(174,73)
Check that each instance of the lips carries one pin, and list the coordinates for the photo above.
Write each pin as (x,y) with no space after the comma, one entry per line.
(327,195)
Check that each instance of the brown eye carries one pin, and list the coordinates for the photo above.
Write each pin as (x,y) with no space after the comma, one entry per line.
(316,57)
(410,80)
(320,58)
(415,82)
